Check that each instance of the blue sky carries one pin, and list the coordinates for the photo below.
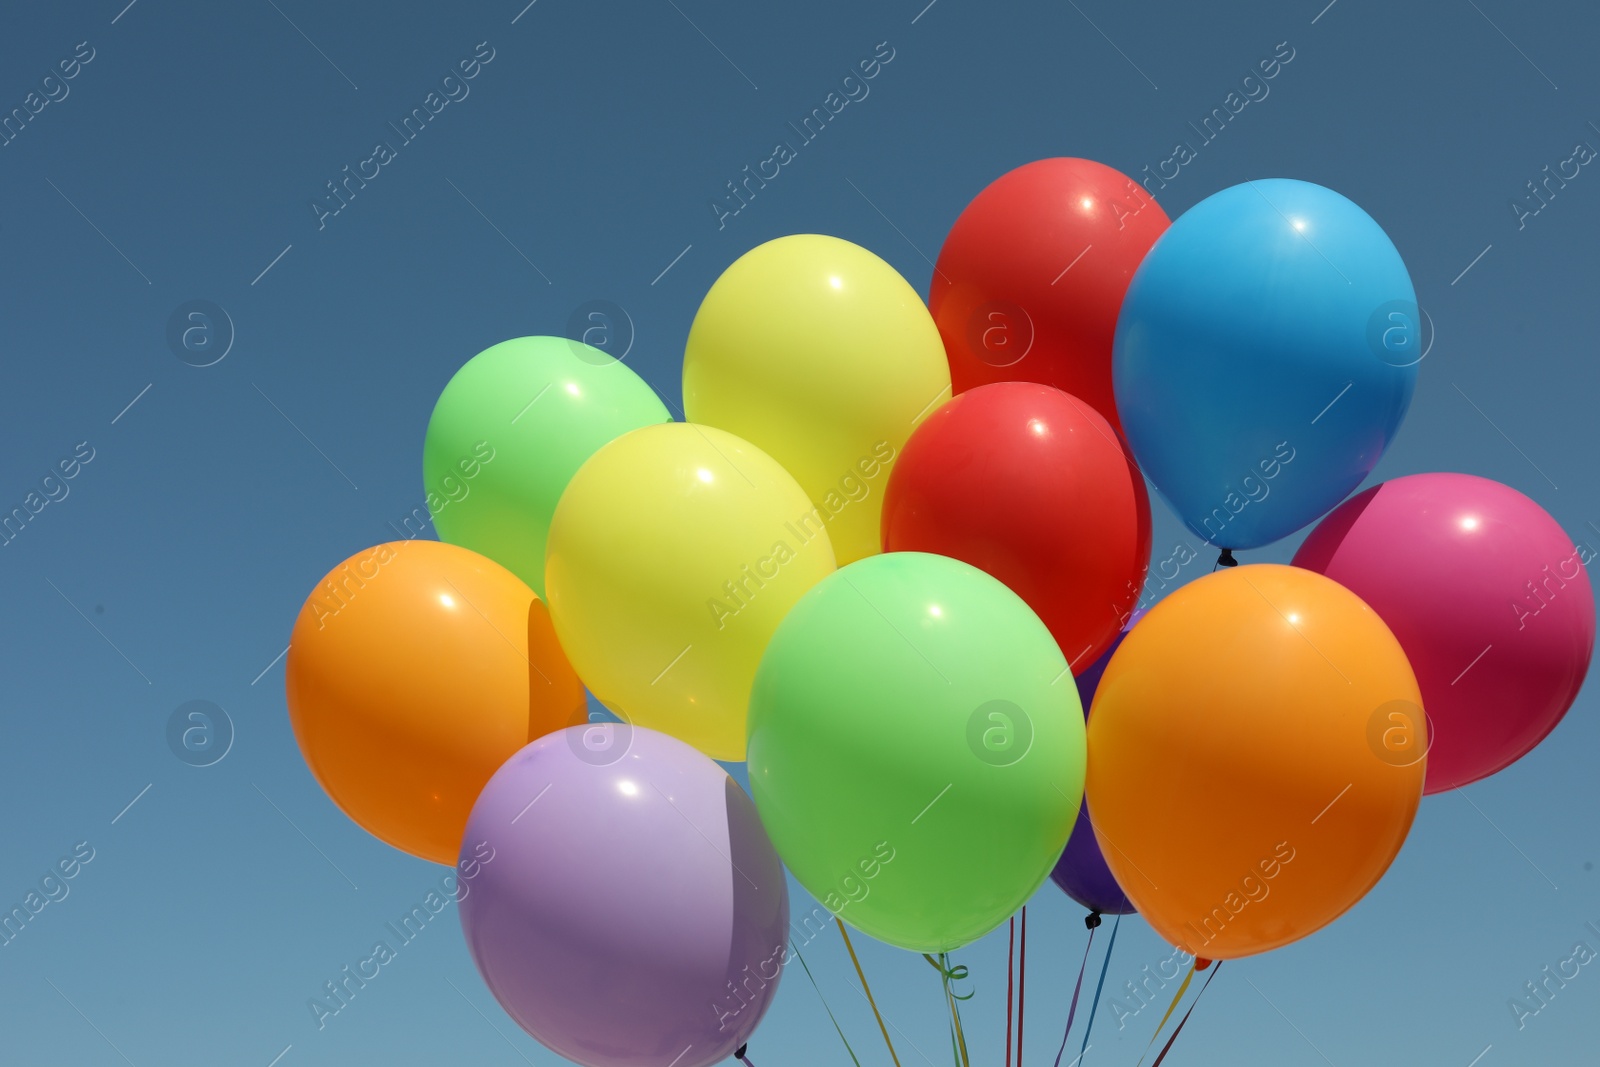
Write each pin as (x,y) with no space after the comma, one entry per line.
(581,161)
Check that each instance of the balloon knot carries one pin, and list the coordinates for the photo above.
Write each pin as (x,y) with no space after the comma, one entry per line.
(1226,559)
(1091,920)
(1202,963)
(738,1053)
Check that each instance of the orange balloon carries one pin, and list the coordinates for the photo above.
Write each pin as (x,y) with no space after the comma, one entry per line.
(1256,756)
(415,670)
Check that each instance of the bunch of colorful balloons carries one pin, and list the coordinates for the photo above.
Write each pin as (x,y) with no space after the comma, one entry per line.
(894,557)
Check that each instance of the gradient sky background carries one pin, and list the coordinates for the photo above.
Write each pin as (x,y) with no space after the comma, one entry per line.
(182,163)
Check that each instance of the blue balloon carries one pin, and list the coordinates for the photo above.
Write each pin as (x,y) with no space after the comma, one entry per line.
(1265,355)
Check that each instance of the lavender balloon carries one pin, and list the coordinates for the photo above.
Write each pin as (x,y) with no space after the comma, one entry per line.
(633,913)
(1081,871)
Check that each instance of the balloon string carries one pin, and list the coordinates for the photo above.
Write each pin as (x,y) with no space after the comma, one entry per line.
(866,988)
(1022,982)
(955,1007)
(825,1007)
(1011,949)
(1092,922)
(947,974)
(1170,1009)
(955,1046)
(1088,1027)
(1186,1015)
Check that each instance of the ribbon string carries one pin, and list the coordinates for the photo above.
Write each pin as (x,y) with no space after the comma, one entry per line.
(1092,921)
(867,989)
(825,1007)
(1011,950)
(1170,1009)
(1088,1026)
(948,974)
(1022,982)
(1179,1029)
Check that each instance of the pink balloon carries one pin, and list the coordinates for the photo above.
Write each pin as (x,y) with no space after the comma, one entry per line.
(1487,595)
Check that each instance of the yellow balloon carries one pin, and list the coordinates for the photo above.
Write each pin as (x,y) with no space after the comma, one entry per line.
(674,553)
(815,350)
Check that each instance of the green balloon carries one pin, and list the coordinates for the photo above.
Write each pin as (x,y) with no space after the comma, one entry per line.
(509,432)
(916,748)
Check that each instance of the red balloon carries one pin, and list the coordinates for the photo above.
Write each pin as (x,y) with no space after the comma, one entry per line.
(1032,486)
(1030,281)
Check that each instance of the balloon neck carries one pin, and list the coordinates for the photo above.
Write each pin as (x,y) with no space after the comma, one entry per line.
(1201,963)
(738,1053)
(1091,920)
(1226,559)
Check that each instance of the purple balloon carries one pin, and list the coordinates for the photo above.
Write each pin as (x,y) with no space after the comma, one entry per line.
(1081,871)
(632,912)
